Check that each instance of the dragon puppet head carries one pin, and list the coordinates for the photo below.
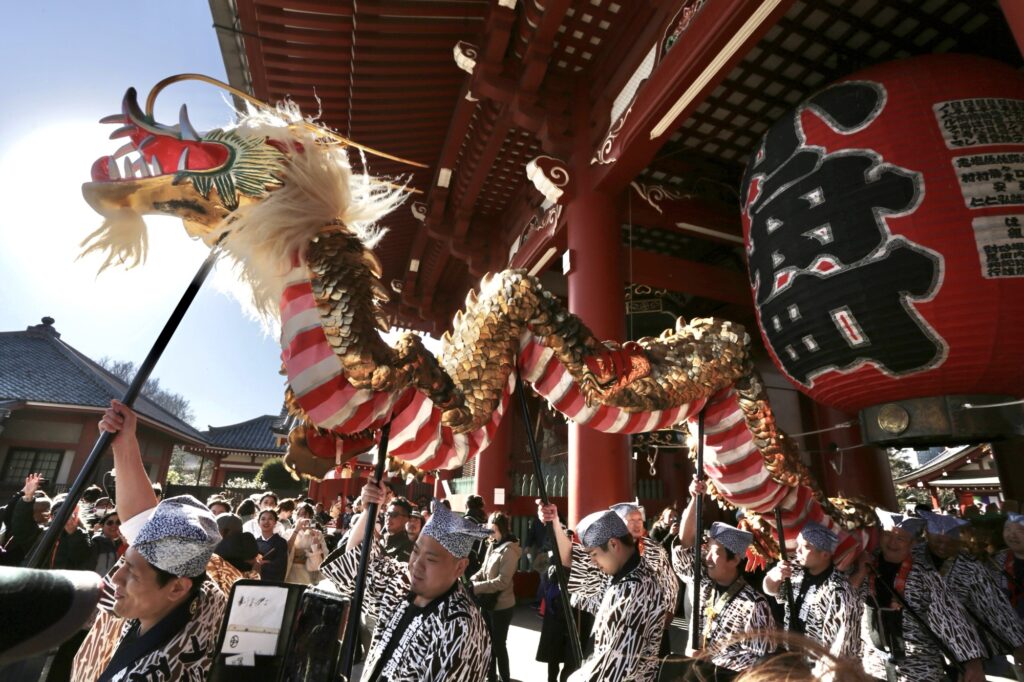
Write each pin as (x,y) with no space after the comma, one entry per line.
(261,188)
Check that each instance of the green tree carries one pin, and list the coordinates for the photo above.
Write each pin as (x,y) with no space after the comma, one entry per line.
(275,476)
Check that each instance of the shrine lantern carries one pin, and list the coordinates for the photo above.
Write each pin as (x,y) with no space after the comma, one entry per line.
(883,222)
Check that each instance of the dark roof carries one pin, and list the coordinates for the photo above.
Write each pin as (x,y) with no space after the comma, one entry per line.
(36,366)
(255,434)
(950,460)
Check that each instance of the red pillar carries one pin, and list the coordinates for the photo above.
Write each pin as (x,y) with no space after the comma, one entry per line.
(862,472)
(1013,10)
(492,466)
(599,463)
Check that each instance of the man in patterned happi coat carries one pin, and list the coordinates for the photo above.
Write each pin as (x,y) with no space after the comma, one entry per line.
(972,584)
(728,605)
(896,645)
(608,578)
(429,629)
(171,610)
(654,554)
(827,607)
(1007,565)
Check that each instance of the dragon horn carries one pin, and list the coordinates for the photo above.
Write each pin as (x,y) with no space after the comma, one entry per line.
(340,139)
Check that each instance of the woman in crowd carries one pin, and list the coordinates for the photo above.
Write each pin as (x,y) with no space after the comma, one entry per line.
(284,514)
(246,510)
(305,549)
(107,544)
(273,556)
(492,584)
(666,527)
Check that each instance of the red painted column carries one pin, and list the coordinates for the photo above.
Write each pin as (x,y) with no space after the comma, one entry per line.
(1013,10)
(492,466)
(599,463)
(859,473)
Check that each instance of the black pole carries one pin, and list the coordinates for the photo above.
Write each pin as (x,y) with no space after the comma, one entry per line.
(563,584)
(45,545)
(348,648)
(698,538)
(787,584)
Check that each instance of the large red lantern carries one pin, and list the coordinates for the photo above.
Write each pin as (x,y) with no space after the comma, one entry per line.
(883,222)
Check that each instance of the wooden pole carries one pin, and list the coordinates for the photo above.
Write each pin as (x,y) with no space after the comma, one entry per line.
(575,646)
(44,546)
(698,538)
(348,648)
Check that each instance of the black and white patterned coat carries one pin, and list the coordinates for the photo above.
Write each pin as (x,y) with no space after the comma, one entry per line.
(447,643)
(629,618)
(996,567)
(929,597)
(986,604)
(831,614)
(748,611)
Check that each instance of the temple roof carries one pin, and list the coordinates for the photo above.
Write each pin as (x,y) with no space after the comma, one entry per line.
(37,367)
(254,435)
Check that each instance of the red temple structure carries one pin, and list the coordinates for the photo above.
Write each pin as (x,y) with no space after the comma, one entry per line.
(601,145)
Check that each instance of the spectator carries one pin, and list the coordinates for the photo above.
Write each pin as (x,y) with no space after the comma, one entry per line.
(397,544)
(666,527)
(305,549)
(273,557)
(475,513)
(321,516)
(108,544)
(29,519)
(72,550)
(414,525)
(246,510)
(218,505)
(494,580)
(284,514)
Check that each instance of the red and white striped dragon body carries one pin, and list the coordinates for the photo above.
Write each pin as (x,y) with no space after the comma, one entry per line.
(290,211)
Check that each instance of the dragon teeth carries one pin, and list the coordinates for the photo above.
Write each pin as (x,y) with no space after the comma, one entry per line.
(128,173)
(157,169)
(124,149)
(112,171)
(114,118)
(183,160)
(142,167)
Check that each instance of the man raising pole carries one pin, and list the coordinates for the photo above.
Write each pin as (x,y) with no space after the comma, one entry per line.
(729,604)
(608,578)
(824,605)
(428,628)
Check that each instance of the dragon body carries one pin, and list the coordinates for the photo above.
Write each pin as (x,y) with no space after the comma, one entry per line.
(297,220)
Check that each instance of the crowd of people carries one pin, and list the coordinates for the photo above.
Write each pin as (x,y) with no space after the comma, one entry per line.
(932,602)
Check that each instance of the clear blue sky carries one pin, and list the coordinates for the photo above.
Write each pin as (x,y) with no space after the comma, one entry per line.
(66,64)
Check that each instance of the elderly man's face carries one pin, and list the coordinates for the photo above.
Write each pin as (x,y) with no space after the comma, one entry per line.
(432,569)
(635,523)
(137,594)
(896,545)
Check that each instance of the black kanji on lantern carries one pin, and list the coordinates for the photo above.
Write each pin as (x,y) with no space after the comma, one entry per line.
(830,282)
